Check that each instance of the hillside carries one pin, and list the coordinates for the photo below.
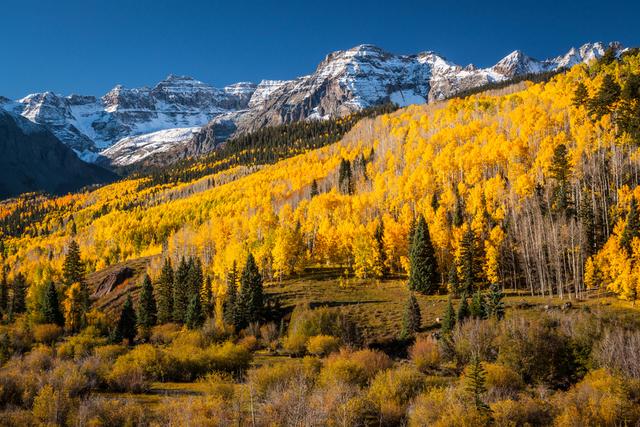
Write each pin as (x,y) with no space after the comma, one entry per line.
(32,159)
(489,161)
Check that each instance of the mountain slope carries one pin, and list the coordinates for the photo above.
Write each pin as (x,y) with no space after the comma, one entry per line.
(33,159)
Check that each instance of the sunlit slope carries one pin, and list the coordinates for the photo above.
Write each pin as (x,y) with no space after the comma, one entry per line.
(486,161)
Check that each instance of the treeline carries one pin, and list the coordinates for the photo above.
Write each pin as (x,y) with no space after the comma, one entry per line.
(264,146)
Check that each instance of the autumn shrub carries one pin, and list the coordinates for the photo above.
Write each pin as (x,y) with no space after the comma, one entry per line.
(15,338)
(322,345)
(98,411)
(219,384)
(109,352)
(268,379)
(269,333)
(475,337)
(129,377)
(425,354)
(50,407)
(190,361)
(501,381)
(538,351)
(525,411)
(445,407)
(205,411)
(165,333)
(47,333)
(342,404)
(353,367)
(250,342)
(600,399)
(69,378)
(81,345)
(393,389)
(370,361)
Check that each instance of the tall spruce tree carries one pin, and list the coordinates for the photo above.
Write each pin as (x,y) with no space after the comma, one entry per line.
(181,291)
(164,289)
(495,305)
(195,276)
(475,383)
(412,318)
(51,312)
(423,274)
(206,296)
(251,299)
(452,280)
(463,309)
(580,95)
(469,261)
(449,318)
(381,268)
(231,312)
(195,317)
(608,93)
(345,177)
(477,308)
(126,328)
(72,268)
(147,311)
(18,300)
(560,173)
(4,293)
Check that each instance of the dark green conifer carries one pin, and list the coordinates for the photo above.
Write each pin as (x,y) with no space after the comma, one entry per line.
(165,293)
(231,312)
(251,298)
(412,318)
(463,309)
(423,274)
(147,312)
(475,383)
(495,305)
(181,291)
(449,318)
(51,312)
(126,328)
(477,308)
(195,317)
(632,227)
(72,268)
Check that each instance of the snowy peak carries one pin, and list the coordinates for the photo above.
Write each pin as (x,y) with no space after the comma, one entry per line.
(517,63)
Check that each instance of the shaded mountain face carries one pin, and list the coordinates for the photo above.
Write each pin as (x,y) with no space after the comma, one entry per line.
(182,116)
(33,159)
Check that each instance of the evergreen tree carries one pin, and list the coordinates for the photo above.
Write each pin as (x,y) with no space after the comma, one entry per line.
(452,280)
(632,227)
(231,312)
(477,308)
(195,317)
(251,299)
(587,220)
(74,307)
(463,309)
(608,93)
(475,383)
(18,301)
(165,293)
(560,173)
(380,253)
(206,296)
(147,312)
(448,319)
(72,268)
(423,274)
(458,213)
(314,189)
(345,177)
(412,318)
(581,95)
(181,291)
(51,312)
(126,328)
(469,260)
(4,293)
(495,305)
(195,277)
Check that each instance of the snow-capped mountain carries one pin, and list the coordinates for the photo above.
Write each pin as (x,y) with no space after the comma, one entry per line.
(128,125)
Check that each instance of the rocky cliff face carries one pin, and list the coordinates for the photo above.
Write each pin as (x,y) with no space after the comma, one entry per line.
(128,125)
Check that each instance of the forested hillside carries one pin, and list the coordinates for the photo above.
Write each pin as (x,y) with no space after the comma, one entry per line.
(520,187)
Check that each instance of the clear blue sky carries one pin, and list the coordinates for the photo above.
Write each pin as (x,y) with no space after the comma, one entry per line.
(88,46)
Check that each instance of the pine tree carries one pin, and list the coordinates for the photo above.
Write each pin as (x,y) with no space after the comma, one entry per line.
(147,312)
(195,277)
(251,299)
(448,319)
(412,318)
(4,293)
(231,312)
(495,305)
(74,307)
(181,291)
(458,213)
(560,173)
(381,268)
(475,383)
(463,309)
(477,308)
(165,293)
(51,312)
(345,177)
(632,227)
(72,268)
(469,261)
(126,328)
(194,318)
(608,93)
(314,189)
(423,274)
(581,95)
(206,296)
(18,300)
(452,280)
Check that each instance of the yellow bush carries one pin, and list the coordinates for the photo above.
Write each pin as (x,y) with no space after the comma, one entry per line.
(219,384)
(502,381)
(277,377)
(425,354)
(322,345)
(81,345)
(47,333)
(522,412)
(164,334)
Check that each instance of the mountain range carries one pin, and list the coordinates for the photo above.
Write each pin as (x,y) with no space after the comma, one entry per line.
(183,116)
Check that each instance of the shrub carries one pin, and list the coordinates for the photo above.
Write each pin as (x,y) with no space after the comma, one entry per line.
(129,377)
(47,333)
(49,407)
(393,389)
(164,334)
(445,407)
(618,350)
(250,342)
(322,345)
(98,411)
(219,384)
(526,411)
(425,354)
(356,368)
(501,381)
(81,345)
(475,337)
(109,352)
(207,411)
(371,361)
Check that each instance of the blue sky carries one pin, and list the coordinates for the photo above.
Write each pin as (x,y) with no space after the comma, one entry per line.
(88,46)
